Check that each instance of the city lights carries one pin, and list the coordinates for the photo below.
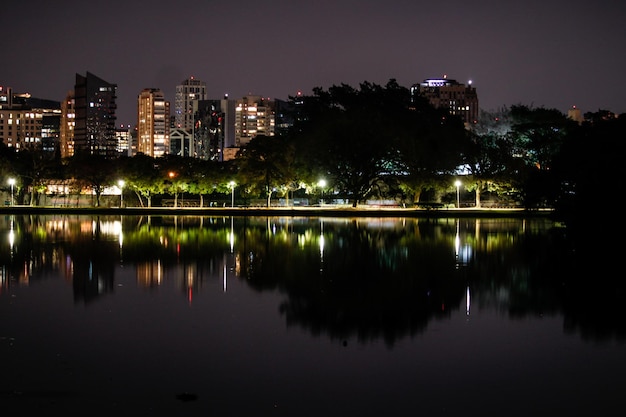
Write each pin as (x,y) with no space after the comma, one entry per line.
(12,184)
(121,184)
(232,186)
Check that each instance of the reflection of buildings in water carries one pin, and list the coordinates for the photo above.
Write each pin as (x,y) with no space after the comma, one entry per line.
(189,275)
(149,274)
(92,277)
(187,278)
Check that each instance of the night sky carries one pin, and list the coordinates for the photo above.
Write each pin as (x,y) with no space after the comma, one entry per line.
(550,53)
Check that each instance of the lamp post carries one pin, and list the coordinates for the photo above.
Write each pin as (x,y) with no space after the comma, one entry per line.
(457,183)
(121,184)
(12,184)
(322,183)
(171,175)
(232,186)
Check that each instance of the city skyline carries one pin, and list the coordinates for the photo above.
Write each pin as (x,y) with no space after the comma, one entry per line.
(555,55)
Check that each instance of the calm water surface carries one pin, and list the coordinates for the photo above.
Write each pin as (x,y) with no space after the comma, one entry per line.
(223,316)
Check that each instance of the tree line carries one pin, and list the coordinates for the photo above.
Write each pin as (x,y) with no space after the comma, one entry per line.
(369,142)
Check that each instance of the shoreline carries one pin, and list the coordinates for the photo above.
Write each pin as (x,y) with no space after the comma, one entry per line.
(284,211)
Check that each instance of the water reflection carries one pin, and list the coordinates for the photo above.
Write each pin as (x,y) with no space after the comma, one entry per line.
(346,278)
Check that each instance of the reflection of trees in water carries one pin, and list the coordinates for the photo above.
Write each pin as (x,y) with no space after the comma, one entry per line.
(595,294)
(371,283)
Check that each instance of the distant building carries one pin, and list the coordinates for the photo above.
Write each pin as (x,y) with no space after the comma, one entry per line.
(214,128)
(575,114)
(95,107)
(228,107)
(209,132)
(27,122)
(445,93)
(153,127)
(68,125)
(185,104)
(254,116)
(181,142)
(126,146)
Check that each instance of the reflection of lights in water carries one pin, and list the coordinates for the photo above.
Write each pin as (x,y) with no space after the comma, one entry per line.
(321,245)
(111,228)
(462,253)
(232,235)
(467,301)
(457,239)
(11,239)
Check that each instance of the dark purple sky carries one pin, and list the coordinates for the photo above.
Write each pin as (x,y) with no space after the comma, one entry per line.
(550,53)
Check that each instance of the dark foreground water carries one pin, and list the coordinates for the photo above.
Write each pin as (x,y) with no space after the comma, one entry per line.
(223,316)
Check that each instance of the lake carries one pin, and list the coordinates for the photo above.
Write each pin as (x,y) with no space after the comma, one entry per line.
(308,316)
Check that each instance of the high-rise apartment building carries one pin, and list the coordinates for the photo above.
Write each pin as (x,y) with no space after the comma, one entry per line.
(446,93)
(28,122)
(153,127)
(186,102)
(254,116)
(125,144)
(68,124)
(95,107)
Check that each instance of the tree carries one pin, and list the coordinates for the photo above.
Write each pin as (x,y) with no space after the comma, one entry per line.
(538,134)
(175,174)
(431,146)
(205,177)
(346,136)
(266,162)
(94,171)
(489,162)
(141,175)
(36,168)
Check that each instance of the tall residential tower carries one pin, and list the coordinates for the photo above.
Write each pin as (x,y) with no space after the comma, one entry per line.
(94,131)
(186,102)
(153,126)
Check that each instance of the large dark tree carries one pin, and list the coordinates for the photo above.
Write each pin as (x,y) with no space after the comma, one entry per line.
(589,168)
(375,141)
(93,171)
(347,136)
(430,145)
(266,165)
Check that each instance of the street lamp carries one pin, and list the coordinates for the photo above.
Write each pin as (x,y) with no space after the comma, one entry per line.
(232,185)
(121,184)
(457,183)
(172,174)
(12,184)
(322,183)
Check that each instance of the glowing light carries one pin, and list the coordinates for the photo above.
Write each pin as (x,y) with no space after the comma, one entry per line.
(232,185)
(12,184)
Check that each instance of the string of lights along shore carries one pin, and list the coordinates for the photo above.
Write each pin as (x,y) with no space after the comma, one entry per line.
(196,126)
